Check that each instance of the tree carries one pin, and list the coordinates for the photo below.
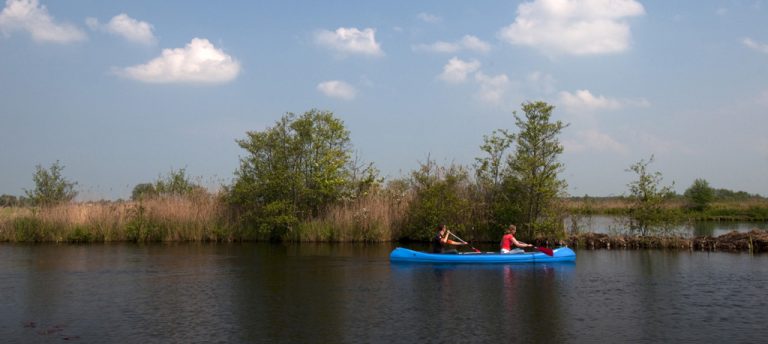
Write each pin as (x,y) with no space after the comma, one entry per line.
(532,180)
(699,194)
(176,183)
(647,196)
(292,171)
(492,205)
(440,196)
(143,191)
(51,187)
(8,201)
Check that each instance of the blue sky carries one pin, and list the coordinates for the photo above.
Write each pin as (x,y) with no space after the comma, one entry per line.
(122,92)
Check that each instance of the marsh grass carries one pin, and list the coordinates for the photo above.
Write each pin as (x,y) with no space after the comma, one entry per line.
(374,218)
(200,218)
(753,209)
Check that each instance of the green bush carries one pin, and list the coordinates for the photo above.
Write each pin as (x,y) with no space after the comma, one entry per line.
(28,229)
(80,234)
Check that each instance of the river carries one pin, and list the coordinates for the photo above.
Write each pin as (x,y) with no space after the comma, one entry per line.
(326,293)
(617,225)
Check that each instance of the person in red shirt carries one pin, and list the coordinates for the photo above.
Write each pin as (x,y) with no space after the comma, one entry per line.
(508,241)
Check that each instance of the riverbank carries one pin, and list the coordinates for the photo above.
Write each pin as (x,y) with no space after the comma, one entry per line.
(754,241)
(750,209)
(207,219)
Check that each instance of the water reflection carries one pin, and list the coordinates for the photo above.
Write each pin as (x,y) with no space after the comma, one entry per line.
(245,293)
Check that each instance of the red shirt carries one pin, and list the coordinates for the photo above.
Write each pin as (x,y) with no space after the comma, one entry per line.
(506,241)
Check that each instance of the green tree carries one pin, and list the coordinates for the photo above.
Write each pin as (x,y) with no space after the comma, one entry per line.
(143,191)
(8,201)
(699,195)
(647,197)
(532,181)
(51,187)
(492,205)
(292,171)
(440,196)
(176,183)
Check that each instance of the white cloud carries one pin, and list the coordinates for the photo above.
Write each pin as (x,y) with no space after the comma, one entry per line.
(456,70)
(594,140)
(198,62)
(30,16)
(350,41)
(127,27)
(583,100)
(761,47)
(468,42)
(429,18)
(542,83)
(337,89)
(492,88)
(583,27)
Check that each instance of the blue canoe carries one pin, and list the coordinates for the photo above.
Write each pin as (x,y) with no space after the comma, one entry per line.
(562,254)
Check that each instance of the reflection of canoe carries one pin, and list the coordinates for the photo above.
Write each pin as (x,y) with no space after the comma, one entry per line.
(562,254)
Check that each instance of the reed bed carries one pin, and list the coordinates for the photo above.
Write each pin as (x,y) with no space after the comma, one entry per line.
(200,218)
(374,218)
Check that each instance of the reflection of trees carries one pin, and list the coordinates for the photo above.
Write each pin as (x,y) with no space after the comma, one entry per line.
(286,294)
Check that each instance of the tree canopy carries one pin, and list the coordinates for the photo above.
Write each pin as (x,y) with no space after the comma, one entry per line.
(292,171)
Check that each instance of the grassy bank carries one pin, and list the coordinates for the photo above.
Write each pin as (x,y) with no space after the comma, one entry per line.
(753,209)
(198,218)
(377,218)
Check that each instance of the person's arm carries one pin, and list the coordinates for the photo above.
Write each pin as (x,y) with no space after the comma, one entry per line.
(520,243)
(445,239)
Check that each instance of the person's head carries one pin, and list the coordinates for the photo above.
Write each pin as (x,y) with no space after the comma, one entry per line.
(440,228)
(511,229)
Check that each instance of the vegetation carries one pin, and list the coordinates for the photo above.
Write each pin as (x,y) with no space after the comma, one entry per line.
(534,170)
(647,197)
(292,173)
(299,181)
(51,187)
(176,183)
(699,195)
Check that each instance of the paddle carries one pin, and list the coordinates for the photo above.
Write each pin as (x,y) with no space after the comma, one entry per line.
(547,251)
(464,242)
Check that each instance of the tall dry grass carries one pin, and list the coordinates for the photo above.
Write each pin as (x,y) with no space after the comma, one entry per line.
(374,218)
(198,218)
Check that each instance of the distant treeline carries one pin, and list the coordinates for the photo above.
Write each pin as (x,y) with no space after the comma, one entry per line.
(300,181)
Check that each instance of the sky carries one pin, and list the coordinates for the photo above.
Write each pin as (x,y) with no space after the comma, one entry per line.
(123,92)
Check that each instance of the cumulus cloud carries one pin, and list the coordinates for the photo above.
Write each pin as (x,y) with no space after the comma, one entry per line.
(584,100)
(350,41)
(198,62)
(541,82)
(30,16)
(594,140)
(585,27)
(468,42)
(456,70)
(126,27)
(429,18)
(761,47)
(337,89)
(492,88)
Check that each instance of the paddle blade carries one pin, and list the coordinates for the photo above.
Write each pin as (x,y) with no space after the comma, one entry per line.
(547,251)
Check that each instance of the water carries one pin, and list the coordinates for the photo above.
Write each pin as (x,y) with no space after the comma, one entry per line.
(617,224)
(263,293)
